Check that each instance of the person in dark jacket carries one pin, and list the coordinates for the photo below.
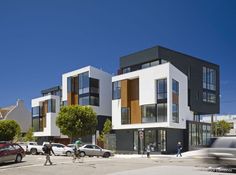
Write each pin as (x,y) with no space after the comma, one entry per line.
(179,149)
(47,151)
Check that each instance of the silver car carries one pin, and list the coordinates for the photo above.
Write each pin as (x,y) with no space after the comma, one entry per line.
(223,151)
(94,150)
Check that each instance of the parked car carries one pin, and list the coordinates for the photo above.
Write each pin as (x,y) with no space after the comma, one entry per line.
(223,151)
(60,149)
(11,152)
(33,148)
(94,150)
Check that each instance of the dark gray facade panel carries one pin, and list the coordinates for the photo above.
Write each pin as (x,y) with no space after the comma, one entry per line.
(124,140)
(139,57)
(173,137)
(192,67)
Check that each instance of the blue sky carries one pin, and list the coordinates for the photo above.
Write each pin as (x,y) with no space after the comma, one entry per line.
(40,40)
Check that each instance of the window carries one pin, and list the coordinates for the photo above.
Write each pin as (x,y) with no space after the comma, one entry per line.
(175,113)
(209,97)
(94,101)
(69,79)
(89,146)
(145,65)
(148,113)
(94,85)
(116,88)
(175,101)
(84,83)
(84,100)
(35,122)
(161,89)
(64,103)
(209,78)
(175,86)
(52,105)
(126,70)
(35,111)
(125,115)
(154,63)
(161,112)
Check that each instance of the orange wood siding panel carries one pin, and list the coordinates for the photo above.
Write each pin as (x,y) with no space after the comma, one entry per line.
(135,112)
(135,109)
(124,93)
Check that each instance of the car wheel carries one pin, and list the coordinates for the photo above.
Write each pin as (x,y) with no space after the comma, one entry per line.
(106,155)
(33,151)
(18,158)
(82,154)
(68,153)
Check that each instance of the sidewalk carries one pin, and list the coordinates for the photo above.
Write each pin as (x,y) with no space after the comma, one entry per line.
(188,154)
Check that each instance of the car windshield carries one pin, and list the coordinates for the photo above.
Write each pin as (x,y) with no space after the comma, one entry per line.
(223,143)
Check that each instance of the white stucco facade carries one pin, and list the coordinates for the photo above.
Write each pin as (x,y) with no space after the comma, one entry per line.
(147,95)
(51,129)
(105,93)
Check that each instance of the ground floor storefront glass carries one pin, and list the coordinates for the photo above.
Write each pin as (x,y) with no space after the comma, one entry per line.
(199,134)
(154,138)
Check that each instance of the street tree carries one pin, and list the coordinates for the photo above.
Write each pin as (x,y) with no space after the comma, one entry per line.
(29,136)
(9,129)
(221,128)
(107,127)
(77,121)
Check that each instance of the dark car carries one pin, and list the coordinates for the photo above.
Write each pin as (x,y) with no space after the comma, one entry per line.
(11,152)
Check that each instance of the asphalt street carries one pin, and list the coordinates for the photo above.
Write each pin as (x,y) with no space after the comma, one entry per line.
(113,166)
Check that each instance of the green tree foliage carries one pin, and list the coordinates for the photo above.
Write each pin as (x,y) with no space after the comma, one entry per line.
(29,136)
(107,126)
(77,121)
(9,129)
(106,129)
(221,128)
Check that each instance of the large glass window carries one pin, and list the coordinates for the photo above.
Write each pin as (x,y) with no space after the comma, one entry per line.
(175,113)
(125,115)
(175,101)
(175,86)
(35,111)
(209,97)
(94,101)
(161,89)
(84,83)
(148,113)
(161,112)
(151,139)
(126,70)
(209,78)
(52,105)
(35,124)
(84,100)
(116,88)
(162,140)
(94,85)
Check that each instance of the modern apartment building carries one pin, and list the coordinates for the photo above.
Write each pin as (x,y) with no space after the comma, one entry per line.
(158,97)
(88,86)
(44,112)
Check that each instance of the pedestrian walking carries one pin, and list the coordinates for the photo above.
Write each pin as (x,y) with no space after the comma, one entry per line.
(47,148)
(179,149)
(78,144)
(148,150)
